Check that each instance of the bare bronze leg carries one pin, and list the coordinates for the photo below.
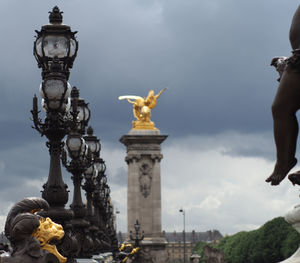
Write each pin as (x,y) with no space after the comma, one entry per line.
(286,103)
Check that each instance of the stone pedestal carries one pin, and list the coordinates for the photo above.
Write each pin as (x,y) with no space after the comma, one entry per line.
(144,190)
(293,218)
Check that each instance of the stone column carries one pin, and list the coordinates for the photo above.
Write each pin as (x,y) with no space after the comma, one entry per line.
(144,189)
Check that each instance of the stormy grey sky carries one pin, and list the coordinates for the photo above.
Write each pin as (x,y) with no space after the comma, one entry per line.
(213,55)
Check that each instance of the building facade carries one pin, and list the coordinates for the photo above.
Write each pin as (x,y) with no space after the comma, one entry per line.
(175,244)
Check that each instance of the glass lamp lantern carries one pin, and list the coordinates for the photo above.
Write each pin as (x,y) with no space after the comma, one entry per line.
(103,180)
(89,172)
(107,190)
(100,166)
(76,146)
(84,113)
(55,93)
(92,141)
(102,193)
(55,47)
(137,226)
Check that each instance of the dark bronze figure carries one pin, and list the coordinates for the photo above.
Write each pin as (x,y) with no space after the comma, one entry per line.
(24,229)
(285,106)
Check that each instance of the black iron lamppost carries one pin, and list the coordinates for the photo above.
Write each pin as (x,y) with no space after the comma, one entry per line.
(97,201)
(137,238)
(112,227)
(90,187)
(99,177)
(78,151)
(100,204)
(80,160)
(82,157)
(184,242)
(55,49)
(89,174)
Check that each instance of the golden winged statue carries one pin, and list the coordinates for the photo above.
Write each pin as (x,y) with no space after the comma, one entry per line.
(142,109)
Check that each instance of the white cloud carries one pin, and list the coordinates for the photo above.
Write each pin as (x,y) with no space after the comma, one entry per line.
(210,203)
(217,186)
(208,176)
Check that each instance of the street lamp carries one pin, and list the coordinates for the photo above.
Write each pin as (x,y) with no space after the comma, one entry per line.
(99,168)
(55,50)
(137,238)
(55,47)
(181,210)
(82,157)
(80,160)
(94,146)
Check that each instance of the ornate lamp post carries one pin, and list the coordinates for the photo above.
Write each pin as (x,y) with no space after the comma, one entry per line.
(55,50)
(81,158)
(89,186)
(97,201)
(137,238)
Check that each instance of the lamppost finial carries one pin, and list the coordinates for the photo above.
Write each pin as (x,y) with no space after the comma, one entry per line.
(55,16)
(74,92)
(90,130)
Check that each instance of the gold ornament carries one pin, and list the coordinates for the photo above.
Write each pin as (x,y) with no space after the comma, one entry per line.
(47,231)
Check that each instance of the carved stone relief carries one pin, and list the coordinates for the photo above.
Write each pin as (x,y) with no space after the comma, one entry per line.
(145,177)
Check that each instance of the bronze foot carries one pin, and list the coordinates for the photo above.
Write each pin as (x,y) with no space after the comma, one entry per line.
(295,178)
(280,172)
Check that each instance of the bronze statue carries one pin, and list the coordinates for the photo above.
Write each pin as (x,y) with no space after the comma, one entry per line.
(142,109)
(285,106)
(30,234)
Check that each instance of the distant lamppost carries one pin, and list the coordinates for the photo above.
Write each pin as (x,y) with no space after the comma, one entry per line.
(89,174)
(82,157)
(98,200)
(55,50)
(80,160)
(137,238)
(181,210)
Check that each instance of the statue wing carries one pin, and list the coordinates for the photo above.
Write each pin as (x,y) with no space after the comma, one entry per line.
(132,97)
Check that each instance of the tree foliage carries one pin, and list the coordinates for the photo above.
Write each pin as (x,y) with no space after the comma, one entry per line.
(275,241)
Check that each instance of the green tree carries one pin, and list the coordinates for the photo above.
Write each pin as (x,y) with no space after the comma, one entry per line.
(275,241)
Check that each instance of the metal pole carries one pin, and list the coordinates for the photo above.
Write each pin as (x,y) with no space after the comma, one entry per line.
(116,223)
(184,243)
(181,210)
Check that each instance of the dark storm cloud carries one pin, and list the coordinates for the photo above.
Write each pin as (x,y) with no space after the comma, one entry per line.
(213,55)
(118,178)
